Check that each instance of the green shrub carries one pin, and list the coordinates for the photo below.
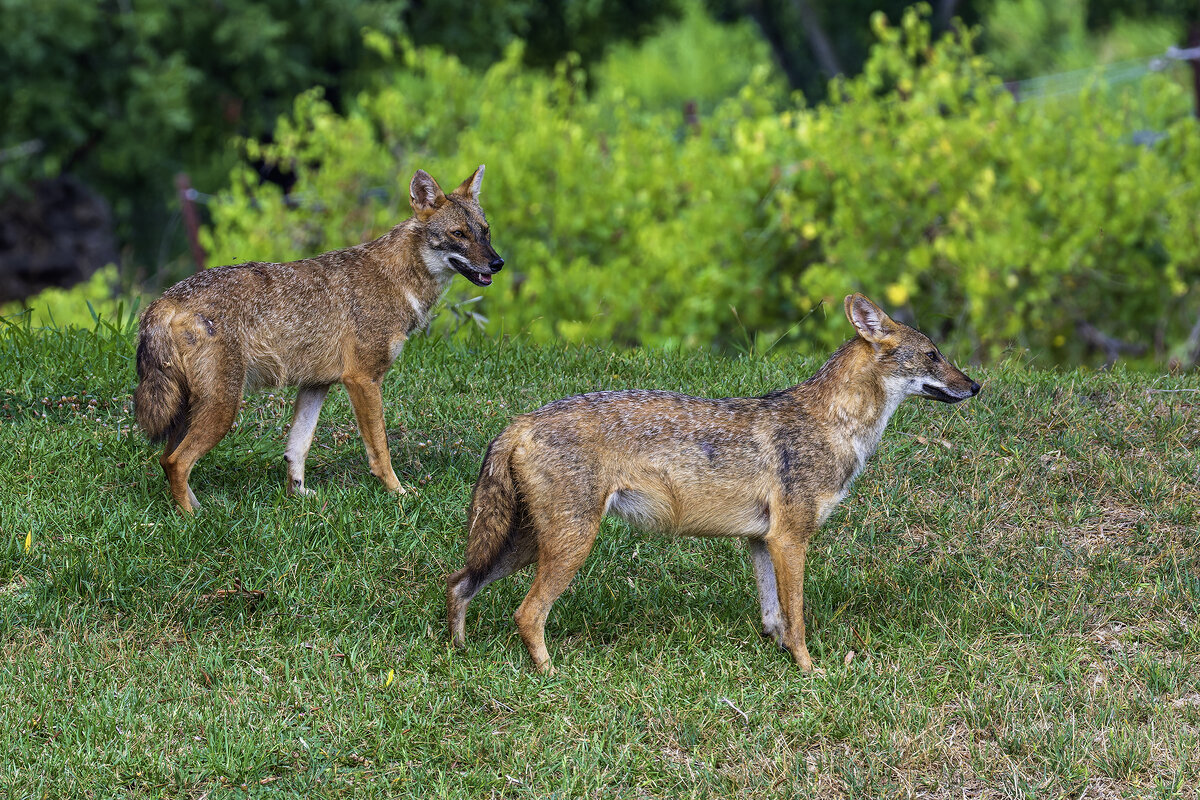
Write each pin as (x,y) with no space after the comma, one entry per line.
(920,182)
(1009,222)
(81,305)
(126,94)
(692,60)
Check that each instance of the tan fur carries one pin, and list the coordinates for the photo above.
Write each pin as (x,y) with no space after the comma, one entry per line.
(340,317)
(770,469)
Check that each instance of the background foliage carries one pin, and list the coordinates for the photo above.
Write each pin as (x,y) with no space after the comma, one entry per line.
(1024,38)
(125,94)
(644,186)
(814,41)
(80,305)
(921,181)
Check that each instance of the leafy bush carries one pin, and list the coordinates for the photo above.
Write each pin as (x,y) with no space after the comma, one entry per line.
(478,33)
(692,60)
(1009,222)
(920,182)
(81,305)
(124,95)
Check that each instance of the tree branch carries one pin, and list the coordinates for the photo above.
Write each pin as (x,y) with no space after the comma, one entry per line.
(1112,347)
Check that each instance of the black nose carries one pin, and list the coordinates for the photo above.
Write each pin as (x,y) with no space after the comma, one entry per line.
(496,263)
(974,388)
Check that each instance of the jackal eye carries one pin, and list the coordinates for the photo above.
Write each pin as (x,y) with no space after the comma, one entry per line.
(932,355)
(458,234)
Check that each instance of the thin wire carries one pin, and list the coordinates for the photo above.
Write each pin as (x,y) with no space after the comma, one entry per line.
(1073,82)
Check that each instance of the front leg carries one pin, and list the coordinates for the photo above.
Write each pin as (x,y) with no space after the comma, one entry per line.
(768,593)
(367,399)
(787,542)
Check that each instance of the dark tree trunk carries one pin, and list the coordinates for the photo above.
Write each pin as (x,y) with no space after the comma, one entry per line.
(944,14)
(818,40)
(770,25)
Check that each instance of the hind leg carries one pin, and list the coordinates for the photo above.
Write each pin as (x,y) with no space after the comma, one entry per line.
(304,424)
(460,588)
(174,437)
(563,544)
(210,419)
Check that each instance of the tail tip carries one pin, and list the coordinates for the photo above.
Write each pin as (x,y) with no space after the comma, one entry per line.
(456,607)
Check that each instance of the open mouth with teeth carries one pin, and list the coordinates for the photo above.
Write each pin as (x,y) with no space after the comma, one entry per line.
(936,393)
(475,276)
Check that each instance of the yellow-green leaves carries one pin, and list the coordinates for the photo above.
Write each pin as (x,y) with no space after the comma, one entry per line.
(921,182)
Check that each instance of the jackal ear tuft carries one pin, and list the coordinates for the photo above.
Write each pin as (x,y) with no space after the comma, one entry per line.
(470,187)
(867,318)
(425,194)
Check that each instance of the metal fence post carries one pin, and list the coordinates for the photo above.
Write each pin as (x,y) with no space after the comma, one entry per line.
(191,218)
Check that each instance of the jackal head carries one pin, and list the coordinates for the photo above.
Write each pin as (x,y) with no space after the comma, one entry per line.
(909,362)
(457,237)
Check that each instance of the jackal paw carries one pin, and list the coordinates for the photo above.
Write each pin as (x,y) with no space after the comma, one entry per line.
(299,489)
(191,506)
(389,480)
(773,629)
(803,661)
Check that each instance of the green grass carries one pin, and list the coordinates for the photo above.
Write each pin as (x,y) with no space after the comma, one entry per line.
(1017,579)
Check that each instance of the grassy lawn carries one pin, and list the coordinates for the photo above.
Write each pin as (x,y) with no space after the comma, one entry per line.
(1005,606)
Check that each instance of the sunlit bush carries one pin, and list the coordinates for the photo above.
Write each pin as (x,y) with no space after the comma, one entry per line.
(81,305)
(921,182)
(694,60)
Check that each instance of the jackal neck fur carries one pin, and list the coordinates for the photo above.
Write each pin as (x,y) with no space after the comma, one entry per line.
(416,272)
(852,400)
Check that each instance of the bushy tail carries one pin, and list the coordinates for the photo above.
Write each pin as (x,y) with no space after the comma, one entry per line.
(492,532)
(491,520)
(160,402)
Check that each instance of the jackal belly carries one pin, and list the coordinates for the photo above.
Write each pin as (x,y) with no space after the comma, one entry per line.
(273,362)
(690,513)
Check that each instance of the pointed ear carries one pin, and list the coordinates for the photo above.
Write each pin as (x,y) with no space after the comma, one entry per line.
(470,187)
(425,195)
(867,318)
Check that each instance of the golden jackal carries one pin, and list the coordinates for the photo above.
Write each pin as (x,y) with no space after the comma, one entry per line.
(340,317)
(770,469)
